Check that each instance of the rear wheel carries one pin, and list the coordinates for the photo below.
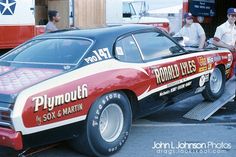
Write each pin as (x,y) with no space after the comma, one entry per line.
(107,126)
(215,86)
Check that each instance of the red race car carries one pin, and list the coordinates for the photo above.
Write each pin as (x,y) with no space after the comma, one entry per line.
(87,86)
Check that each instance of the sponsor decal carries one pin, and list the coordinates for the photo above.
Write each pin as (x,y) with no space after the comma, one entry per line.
(217,58)
(172,72)
(174,89)
(210,60)
(119,51)
(224,57)
(202,61)
(230,57)
(98,55)
(202,80)
(49,103)
(58,114)
(209,66)
(42,103)
(228,65)
(201,69)
(207,76)
(227,71)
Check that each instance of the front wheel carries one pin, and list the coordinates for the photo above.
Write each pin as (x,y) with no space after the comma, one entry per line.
(107,126)
(215,86)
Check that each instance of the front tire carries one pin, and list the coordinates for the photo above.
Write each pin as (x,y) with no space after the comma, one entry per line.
(107,126)
(215,86)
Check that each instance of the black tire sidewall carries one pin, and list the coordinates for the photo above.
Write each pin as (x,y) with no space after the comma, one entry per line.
(99,146)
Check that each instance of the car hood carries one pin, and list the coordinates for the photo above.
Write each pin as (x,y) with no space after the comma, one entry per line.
(14,80)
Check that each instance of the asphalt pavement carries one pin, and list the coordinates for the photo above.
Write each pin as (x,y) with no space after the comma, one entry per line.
(167,134)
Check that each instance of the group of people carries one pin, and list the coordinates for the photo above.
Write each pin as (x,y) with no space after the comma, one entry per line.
(225,35)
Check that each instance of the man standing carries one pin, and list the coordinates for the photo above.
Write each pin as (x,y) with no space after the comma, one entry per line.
(225,35)
(192,33)
(54,17)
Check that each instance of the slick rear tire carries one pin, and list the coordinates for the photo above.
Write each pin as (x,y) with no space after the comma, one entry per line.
(107,126)
(215,86)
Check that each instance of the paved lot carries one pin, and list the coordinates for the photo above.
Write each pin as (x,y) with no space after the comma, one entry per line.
(154,135)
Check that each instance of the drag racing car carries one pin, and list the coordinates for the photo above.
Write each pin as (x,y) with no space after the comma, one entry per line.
(86,86)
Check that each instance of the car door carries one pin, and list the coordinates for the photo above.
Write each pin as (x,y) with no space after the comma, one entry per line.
(171,70)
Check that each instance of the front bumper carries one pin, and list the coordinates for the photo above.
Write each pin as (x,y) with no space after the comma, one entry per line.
(11,138)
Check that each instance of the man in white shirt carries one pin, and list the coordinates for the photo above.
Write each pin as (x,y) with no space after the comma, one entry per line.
(192,33)
(225,35)
(53,19)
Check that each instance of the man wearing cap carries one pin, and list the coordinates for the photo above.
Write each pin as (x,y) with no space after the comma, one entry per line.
(192,33)
(225,35)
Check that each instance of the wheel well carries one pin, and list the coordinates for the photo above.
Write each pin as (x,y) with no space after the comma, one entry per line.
(133,102)
(221,67)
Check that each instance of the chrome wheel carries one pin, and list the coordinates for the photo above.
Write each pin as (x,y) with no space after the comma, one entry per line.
(216,81)
(111,122)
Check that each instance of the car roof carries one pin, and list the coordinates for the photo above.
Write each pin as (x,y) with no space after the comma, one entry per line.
(98,33)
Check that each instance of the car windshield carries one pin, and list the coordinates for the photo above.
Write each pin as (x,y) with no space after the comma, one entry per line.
(52,51)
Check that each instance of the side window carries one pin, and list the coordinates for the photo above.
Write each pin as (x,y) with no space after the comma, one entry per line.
(156,45)
(126,50)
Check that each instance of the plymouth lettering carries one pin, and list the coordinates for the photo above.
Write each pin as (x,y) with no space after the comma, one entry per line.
(50,102)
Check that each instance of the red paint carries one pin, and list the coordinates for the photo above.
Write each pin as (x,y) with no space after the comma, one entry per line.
(11,138)
(185,6)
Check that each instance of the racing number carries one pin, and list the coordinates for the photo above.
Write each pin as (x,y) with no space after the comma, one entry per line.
(99,55)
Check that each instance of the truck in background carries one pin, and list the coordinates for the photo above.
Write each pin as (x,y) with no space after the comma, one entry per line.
(173,13)
(137,12)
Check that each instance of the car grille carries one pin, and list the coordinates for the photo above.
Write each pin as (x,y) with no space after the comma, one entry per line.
(5,116)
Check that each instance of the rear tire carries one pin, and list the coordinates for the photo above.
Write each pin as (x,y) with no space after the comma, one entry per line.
(215,86)
(107,126)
